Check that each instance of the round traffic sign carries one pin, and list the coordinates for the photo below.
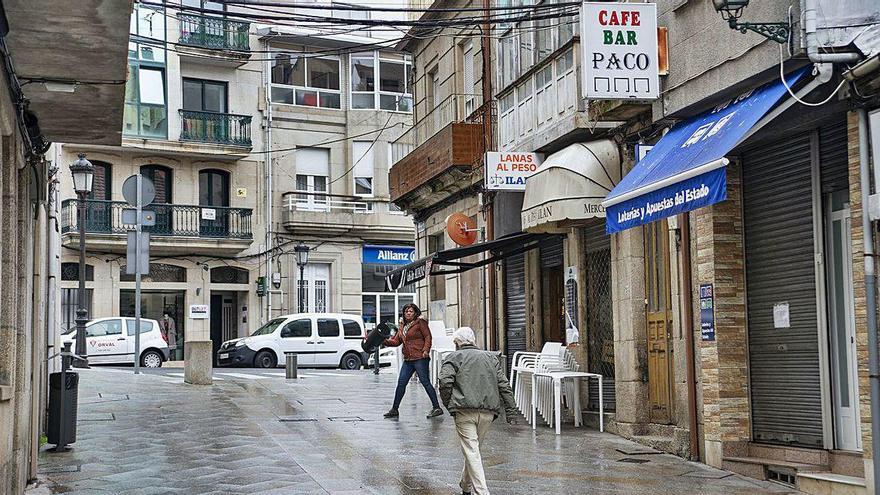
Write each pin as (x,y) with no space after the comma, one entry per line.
(129,191)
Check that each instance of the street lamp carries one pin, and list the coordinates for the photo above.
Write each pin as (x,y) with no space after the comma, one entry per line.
(83,173)
(302,259)
(731,11)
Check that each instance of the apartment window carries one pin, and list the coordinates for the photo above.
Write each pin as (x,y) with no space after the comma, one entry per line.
(545,94)
(381,80)
(544,38)
(204,96)
(437,284)
(205,4)
(349,12)
(363,167)
(145,111)
(507,111)
(525,107)
(147,30)
(306,80)
(312,178)
(526,49)
(467,75)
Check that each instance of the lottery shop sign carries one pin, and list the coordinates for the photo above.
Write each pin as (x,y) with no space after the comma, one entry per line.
(620,59)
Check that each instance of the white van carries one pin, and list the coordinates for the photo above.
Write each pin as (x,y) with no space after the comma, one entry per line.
(111,341)
(319,340)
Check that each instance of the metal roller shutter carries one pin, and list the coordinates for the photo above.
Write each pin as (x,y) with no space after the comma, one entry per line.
(514,305)
(778,226)
(833,157)
(598,314)
(552,254)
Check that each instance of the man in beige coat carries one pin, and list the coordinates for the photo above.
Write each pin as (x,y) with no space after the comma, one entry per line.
(475,391)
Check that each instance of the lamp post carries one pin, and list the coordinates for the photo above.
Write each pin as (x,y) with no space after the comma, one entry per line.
(302,259)
(83,173)
(731,10)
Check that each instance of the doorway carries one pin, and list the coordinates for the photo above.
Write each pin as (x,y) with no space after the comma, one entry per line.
(659,321)
(841,322)
(155,304)
(224,319)
(552,283)
(214,203)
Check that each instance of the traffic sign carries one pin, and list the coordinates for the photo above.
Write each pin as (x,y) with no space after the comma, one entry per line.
(129,190)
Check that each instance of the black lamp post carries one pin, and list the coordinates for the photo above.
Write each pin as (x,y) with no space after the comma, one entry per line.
(302,259)
(731,10)
(83,173)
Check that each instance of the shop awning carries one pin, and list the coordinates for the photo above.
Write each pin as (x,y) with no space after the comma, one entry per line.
(450,261)
(570,185)
(685,170)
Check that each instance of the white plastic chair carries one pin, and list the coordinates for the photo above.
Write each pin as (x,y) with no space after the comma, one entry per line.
(522,367)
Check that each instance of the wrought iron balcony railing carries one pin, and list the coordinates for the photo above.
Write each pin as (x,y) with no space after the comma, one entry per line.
(105,217)
(214,32)
(218,128)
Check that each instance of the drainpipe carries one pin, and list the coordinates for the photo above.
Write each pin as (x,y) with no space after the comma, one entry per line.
(812,43)
(688,324)
(269,222)
(870,293)
(489,140)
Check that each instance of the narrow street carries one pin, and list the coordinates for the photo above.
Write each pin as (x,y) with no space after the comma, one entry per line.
(256,432)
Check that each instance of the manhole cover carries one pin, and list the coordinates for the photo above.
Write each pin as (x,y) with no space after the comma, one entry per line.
(346,418)
(633,461)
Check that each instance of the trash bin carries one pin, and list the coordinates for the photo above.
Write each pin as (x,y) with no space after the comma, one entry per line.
(62,412)
(290,364)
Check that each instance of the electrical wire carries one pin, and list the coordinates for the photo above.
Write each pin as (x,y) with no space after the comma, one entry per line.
(373,143)
(248,3)
(794,96)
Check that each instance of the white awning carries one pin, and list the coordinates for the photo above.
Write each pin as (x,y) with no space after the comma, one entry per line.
(571,185)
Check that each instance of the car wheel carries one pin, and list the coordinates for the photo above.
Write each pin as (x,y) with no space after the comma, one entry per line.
(350,362)
(151,359)
(265,359)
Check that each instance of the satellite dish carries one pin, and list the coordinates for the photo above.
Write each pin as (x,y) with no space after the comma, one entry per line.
(461,228)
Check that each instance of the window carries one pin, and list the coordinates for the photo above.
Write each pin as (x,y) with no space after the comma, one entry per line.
(297,329)
(70,272)
(467,61)
(205,4)
(102,328)
(204,96)
(438,282)
(363,167)
(391,71)
(146,326)
(102,181)
(526,50)
(229,275)
(159,272)
(69,305)
(147,30)
(328,327)
(306,80)
(312,290)
(312,177)
(351,328)
(145,112)
(509,49)
(350,12)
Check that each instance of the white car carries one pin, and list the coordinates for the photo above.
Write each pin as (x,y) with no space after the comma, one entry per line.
(111,341)
(387,357)
(319,340)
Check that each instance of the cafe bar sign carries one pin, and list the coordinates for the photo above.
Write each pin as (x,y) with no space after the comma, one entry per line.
(620,57)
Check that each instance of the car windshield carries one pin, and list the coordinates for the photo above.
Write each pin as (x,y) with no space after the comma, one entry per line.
(268,327)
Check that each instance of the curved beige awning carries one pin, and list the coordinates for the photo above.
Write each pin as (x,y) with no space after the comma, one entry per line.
(570,185)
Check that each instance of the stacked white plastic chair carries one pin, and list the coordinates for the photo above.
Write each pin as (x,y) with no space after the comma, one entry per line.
(441,345)
(523,366)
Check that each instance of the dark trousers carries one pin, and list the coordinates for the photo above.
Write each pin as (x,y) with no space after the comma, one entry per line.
(406,372)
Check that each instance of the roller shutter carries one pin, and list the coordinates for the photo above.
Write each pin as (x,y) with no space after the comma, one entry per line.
(598,315)
(514,305)
(778,226)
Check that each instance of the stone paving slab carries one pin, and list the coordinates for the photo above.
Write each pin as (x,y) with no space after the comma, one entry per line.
(244,435)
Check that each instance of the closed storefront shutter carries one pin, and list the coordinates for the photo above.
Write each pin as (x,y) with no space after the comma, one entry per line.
(552,255)
(780,273)
(514,305)
(598,314)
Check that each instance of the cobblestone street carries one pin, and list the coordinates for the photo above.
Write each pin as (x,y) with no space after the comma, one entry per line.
(255,432)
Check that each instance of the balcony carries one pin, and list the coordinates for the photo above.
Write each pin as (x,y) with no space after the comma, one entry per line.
(319,213)
(178,229)
(214,39)
(216,128)
(450,144)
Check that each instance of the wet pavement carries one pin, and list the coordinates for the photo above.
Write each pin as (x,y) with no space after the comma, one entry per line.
(255,432)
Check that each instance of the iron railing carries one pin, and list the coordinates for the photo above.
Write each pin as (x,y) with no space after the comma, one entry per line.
(323,202)
(218,128)
(105,217)
(214,32)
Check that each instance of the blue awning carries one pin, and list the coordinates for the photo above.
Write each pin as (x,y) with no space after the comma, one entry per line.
(685,170)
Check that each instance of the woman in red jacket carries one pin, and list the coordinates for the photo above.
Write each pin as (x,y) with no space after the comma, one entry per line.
(415,336)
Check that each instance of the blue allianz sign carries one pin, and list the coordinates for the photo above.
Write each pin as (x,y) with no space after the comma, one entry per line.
(389,255)
(685,170)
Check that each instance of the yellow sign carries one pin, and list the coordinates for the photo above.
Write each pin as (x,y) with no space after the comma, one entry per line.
(241,192)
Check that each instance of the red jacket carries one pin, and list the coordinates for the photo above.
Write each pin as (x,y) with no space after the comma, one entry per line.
(416,342)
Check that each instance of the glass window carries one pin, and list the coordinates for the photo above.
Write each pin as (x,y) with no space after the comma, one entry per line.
(102,328)
(526,50)
(310,81)
(351,328)
(393,75)
(269,327)
(289,70)
(297,329)
(328,327)
(204,96)
(146,326)
(544,38)
(145,112)
(323,73)
(362,152)
(393,78)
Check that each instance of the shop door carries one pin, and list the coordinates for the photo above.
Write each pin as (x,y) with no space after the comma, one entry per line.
(552,293)
(841,323)
(598,313)
(514,306)
(781,300)
(659,321)
(216,324)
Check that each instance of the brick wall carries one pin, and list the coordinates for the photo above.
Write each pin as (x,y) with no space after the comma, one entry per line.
(724,362)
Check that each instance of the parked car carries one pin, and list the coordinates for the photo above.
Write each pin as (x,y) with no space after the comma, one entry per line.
(111,341)
(387,357)
(319,340)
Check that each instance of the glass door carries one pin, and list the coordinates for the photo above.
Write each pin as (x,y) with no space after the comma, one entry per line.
(213,203)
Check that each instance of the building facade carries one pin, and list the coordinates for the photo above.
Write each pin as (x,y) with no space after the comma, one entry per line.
(256,139)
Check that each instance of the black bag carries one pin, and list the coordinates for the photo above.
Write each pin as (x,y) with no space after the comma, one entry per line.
(376,336)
